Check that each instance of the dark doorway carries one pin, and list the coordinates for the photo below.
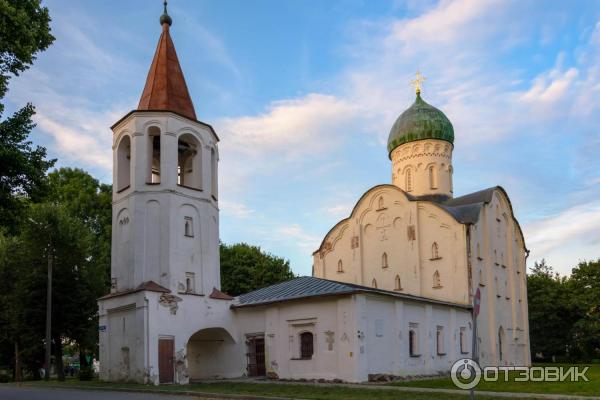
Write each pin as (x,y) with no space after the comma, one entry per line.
(166,350)
(256,356)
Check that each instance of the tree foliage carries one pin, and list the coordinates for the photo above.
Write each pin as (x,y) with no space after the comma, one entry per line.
(24,32)
(564,312)
(245,268)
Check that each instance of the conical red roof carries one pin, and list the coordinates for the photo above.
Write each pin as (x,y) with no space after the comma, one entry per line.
(165,88)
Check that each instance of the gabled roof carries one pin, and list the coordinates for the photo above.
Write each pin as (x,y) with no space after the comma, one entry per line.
(165,88)
(306,287)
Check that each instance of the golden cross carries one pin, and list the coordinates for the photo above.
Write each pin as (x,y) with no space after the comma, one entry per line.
(418,82)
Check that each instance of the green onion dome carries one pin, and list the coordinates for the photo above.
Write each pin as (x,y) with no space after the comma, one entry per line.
(420,121)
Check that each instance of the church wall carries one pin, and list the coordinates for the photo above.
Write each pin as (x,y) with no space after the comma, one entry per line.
(389,323)
(443,261)
(387,242)
(498,262)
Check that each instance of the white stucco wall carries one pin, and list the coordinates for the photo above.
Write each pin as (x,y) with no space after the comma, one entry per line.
(384,221)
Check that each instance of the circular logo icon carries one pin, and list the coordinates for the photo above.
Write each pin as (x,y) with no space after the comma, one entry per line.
(465,373)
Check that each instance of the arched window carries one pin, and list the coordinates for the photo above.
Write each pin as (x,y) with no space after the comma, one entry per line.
(437,282)
(435,251)
(340,266)
(154,158)
(450,172)
(481,282)
(409,182)
(479,251)
(380,204)
(497,287)
(306,345)
(397,283)
(189,162)
(432,177)
(439,340)
(374,283)
(124,163)
(384,260)
(413,345)
(213,173)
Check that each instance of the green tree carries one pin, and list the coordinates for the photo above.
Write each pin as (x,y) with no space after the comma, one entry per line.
(51,229)
(24,32)
(90,202)
(584,290)
(245,268)
(550,313)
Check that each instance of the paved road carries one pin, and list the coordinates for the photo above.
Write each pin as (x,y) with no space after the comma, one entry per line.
(28,393)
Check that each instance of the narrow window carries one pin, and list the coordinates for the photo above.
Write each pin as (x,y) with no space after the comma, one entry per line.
(432,177)
(413,344)
(306,345)
(437,282)
(340,266)
(190,282)
(450,171)
(463,340)
(479,252)
(500,343)
(124,164)
(435,251)
(397,283)
(380,204)
(440,341)
(189,162)
(495,257)
(374,283)
(384,260)
(154,158)
(213,173)
(189,227)
(497,287)
(409,183)
(481,282)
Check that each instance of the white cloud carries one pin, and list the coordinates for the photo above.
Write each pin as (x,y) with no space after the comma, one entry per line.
(300,237)
(566,237)
(236,209)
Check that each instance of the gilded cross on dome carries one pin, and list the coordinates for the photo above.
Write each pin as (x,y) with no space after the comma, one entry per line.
(418,82)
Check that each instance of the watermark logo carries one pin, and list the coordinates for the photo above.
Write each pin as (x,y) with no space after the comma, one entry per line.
(466,374)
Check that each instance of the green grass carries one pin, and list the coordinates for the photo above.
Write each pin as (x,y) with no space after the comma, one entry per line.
(591,388)
(296,391)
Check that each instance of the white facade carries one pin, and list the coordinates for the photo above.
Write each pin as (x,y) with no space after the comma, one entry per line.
(401,270)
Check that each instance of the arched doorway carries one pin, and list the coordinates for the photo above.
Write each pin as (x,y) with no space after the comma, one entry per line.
(211,353)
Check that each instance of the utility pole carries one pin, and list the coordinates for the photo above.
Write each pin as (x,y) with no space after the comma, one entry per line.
(48,314)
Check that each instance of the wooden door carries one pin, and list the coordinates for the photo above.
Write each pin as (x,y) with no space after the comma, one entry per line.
(256,356)
(166,350)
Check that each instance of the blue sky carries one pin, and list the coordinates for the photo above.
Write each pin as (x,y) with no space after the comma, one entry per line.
(303,94)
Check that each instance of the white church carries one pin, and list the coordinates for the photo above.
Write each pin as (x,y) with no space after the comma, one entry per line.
(392,286)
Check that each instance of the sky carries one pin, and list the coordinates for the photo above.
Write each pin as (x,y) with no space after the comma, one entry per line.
(303,93)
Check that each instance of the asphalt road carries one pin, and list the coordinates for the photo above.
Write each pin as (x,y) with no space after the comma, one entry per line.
(9,392)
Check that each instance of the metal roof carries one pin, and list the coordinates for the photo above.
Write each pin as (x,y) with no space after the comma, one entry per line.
(310,287)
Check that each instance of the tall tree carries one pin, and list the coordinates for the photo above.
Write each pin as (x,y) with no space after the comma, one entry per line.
(550,314)
(24,32)
(584,289)
(245,268)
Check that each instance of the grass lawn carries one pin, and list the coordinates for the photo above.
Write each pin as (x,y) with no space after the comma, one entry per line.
(591,388)
(295,391)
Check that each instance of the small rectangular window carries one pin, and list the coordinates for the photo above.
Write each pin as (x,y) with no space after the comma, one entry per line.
(189,227)
(440,341)
(190,282)
(306,345)
(463,340)
(413,339)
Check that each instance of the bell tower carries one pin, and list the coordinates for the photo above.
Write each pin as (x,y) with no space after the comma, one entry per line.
(165,196)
